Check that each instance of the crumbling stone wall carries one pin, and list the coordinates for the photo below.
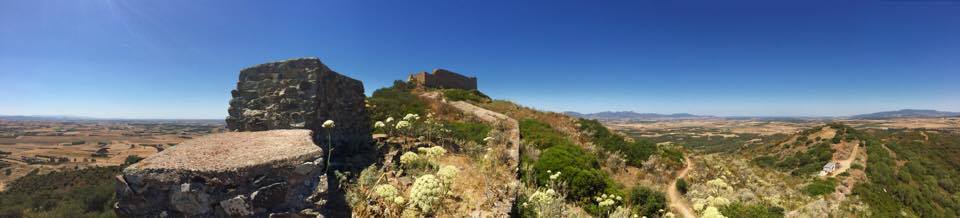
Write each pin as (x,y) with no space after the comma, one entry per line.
(301,94)
(444,79)
(235,174)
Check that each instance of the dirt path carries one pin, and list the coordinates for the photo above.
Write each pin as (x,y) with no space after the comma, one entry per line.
(677,203)
(845,164)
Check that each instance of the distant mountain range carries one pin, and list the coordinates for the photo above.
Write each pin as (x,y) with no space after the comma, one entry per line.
(43,117)
(630,115)
(906,113)
(67,118)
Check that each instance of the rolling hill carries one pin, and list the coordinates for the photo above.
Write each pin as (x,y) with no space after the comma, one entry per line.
(907,113)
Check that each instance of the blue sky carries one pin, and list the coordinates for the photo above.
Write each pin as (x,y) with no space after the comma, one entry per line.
(180,59)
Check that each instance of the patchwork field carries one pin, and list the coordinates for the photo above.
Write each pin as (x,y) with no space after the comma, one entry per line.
(45,146)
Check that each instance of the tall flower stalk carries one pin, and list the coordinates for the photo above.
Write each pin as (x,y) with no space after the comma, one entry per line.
(329,126)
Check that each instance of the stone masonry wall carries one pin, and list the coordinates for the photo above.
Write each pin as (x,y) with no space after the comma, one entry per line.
(446,79)
(301,94)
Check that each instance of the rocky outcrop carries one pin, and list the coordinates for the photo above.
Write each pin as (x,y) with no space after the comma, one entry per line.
(301,94)
(443,79)
(236,174)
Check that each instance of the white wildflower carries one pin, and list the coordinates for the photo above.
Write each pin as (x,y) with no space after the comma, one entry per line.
(543,197)
(712,212)
(411,117)
(402,124)
(328,124)
(386,191)
(379,124)
(409,157)
(447,173)
(426,193)
(555,176)
(389,119)
(432,152)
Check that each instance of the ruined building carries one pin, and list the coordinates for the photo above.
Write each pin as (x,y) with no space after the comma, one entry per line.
(301,94)
(443,79)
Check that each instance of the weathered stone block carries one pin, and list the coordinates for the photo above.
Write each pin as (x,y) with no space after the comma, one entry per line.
(226,174)
(301,94)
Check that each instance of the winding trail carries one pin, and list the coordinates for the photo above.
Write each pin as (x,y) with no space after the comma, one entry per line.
(677,203)
(845,164)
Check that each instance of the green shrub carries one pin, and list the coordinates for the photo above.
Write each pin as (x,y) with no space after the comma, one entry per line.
(132,159)
(395,101)
(579,170)
(744,210)
(465,95)
(682,186)
(820,187)
(469,130)
(645,201)
(765,161)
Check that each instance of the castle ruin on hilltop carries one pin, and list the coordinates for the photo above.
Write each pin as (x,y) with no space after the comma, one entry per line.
(443,79)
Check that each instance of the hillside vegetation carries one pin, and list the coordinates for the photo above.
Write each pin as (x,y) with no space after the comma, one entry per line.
(912,175)
(74,193)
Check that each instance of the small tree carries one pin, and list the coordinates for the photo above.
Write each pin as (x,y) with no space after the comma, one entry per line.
(132,159)
(682,186)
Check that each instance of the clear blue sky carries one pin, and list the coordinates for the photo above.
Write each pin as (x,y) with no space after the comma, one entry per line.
(180,59)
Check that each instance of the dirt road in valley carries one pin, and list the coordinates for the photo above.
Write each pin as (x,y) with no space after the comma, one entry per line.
(677,203)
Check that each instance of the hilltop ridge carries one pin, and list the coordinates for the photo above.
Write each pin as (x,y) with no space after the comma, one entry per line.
(906,113)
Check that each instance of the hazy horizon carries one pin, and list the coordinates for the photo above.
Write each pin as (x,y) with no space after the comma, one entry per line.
(180,59)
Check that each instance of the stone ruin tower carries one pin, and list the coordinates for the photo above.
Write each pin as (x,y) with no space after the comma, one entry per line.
(443,79)
(301,94)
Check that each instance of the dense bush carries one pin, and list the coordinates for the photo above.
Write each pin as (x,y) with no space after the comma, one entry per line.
(541,135)
(635,153)
(820,187)
(646,202)
(465,95)
(579,170)
(395,101)
(682,186)
(469,130)
(132,159)
(80,193)
(743,210)
(765,161)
